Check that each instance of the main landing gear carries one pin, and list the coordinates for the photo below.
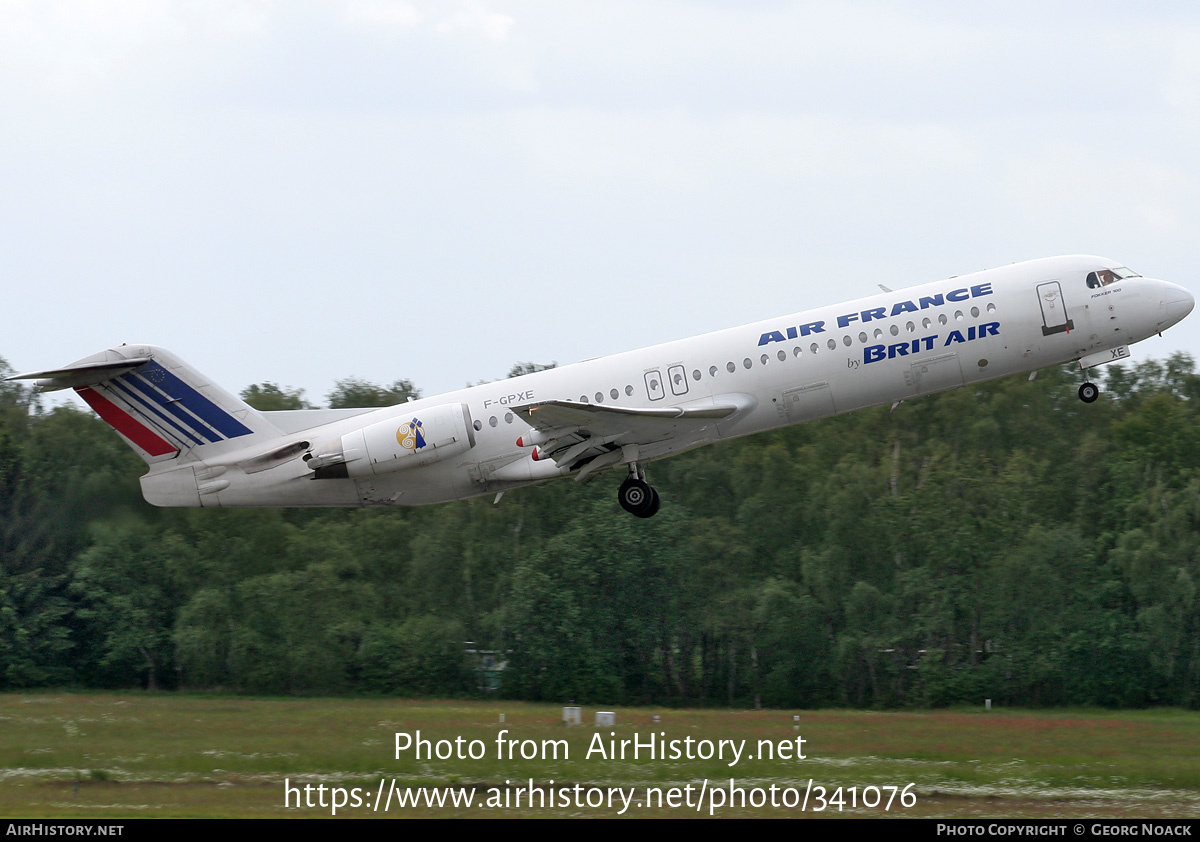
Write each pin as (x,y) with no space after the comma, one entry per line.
(637,496)
(1088,392)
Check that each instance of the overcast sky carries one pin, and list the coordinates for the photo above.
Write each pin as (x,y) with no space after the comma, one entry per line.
(301,191)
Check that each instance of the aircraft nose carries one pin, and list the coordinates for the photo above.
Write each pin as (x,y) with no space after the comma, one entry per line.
(1177,302)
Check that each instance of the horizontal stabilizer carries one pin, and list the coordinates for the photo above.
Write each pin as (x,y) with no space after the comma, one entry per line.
(88,374)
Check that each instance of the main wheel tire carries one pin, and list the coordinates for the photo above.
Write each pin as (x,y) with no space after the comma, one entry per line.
(655,503)
(635,497)
(1088,392)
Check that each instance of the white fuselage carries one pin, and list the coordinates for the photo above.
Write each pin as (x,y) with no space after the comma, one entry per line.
(815,363)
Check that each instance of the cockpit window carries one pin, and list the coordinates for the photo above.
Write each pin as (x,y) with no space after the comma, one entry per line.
(1104,277)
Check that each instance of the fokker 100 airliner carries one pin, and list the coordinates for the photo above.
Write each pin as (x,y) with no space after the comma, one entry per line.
(206,447)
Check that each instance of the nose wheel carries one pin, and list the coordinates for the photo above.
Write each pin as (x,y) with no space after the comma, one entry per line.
(637,496)
(1088,392)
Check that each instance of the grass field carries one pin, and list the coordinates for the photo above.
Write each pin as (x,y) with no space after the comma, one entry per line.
(110,756)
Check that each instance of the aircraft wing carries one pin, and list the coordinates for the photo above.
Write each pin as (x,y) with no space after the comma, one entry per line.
(592,437)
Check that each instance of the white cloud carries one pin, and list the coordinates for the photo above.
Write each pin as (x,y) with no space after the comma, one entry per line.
(1182,85)
(691,163)
(391,14)
(72,47)
(1078,187)
(475,18)
(692,152)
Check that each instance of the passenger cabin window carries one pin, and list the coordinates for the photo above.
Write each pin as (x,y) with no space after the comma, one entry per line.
(1104,277)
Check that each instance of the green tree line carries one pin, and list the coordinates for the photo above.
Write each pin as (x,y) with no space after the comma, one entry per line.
(1000,541)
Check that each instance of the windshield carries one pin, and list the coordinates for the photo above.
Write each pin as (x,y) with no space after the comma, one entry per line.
(1104,277)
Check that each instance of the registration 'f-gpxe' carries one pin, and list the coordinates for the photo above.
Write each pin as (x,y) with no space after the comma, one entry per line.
(205,447)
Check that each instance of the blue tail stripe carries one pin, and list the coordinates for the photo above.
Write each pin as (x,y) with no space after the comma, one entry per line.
(132,398)
(192,422)
(195,402)
(133,390)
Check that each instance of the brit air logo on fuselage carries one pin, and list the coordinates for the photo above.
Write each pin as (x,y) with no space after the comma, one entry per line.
(912,347)
(878,313)
(411,435)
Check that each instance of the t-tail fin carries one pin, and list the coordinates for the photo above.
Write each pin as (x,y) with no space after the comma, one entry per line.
(162,407)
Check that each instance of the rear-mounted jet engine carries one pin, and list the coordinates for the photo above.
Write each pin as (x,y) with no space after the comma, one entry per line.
(398,444)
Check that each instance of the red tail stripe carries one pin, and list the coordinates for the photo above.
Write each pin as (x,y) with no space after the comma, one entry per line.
(125,424)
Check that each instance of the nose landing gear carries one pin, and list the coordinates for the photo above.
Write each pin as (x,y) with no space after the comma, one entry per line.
(1088,392)
(637,496)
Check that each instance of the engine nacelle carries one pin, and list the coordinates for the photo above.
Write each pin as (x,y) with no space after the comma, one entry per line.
(398,444)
